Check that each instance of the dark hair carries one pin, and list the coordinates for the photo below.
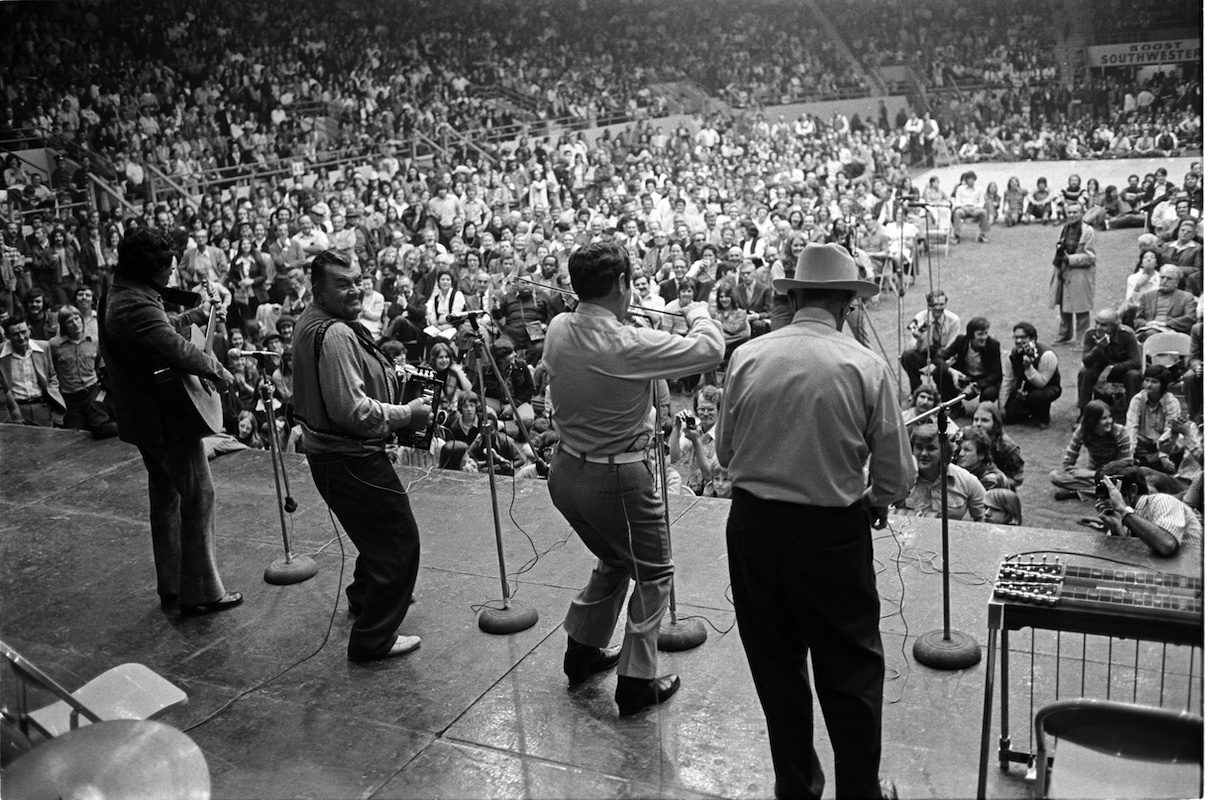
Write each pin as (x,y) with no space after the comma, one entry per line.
(1094,412)
(689,283)
(440,347)
(1128,474)
(144,252)
(322,261)
(1142,255)
(594,268)
(1159,373)
(1029,329)
(997,431)
(931,296)
(981,439)
(977,324)
(12,322)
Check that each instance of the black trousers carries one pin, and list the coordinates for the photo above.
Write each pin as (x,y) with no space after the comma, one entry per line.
(803,581)
(364,492)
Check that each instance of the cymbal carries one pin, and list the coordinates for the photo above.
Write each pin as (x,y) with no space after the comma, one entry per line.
(116,760)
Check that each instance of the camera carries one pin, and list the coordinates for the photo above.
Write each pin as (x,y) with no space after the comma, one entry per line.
(1028,349)
(688,419)
(1102,491)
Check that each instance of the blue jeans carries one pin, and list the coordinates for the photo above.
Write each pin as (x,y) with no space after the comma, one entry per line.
(182,503)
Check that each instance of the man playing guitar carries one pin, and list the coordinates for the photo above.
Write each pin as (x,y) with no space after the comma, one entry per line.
(138,338)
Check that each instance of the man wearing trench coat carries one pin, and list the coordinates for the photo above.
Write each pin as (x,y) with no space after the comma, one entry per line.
(1073,283)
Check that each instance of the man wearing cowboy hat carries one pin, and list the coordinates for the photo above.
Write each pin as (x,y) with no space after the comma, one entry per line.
(799,543)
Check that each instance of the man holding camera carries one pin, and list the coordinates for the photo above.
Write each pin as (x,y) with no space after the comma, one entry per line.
(346,398)
(933,331)
(1031,378)
(691,444)
(1128,508)
(1073,283)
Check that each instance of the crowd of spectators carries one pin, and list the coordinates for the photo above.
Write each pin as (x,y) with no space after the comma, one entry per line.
(710,213)
(950,42)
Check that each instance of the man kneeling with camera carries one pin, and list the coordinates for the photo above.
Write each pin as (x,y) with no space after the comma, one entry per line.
(1128,508)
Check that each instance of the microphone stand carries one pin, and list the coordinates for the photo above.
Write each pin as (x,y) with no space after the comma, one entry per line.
(946,649)
(512,617)
(676,635)
(292,568)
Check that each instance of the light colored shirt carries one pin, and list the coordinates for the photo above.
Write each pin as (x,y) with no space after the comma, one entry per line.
(805,408)
(600,374)
(941,333)
(964,496)
(1145,421)
(1171,515)
(74,363)
(1037,374)
(24,374)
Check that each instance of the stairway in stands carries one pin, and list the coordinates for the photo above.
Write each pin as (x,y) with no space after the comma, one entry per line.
(1075,20)
(871,76)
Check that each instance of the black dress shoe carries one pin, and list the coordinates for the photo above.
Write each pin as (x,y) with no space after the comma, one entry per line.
(167,600)
(636,694)
(582,661)
(230,600)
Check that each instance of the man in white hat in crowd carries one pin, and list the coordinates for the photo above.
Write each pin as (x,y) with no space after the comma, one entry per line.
(799,541)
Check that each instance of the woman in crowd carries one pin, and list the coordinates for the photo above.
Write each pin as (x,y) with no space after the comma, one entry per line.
(1002,507)
(1014,202)
(445,301)
(1006,454)
(372,306)
(1145,278)
(442,360)
(1105,441)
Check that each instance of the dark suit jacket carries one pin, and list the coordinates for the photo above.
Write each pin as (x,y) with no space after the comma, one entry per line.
(1180,317)
(138,337)
(669,289)
(755,298)
(956,354)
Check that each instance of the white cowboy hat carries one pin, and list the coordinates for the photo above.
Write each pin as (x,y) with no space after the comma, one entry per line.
(826,266)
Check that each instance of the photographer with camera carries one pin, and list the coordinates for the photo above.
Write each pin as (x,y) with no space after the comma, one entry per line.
(691,443)
(1073,283)
(1031,378)
(933,331)
(1128,508)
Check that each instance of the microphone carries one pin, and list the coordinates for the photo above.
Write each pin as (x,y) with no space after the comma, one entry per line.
(459,319)
(917,204)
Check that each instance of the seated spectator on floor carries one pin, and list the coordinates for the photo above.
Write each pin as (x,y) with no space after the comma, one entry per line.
(1160,520)
(519,381)
(461,429)
(1041,203)
(973,357)
(507,455)
(1148,418)
(975,456)
(1105,441)
(1181,443)
(970,203)
(1014,203)
(922,400)
(1006,454)
(1002,507)
(1111,355)
(1031,381)
(933,332)
(692,442)
(965,494)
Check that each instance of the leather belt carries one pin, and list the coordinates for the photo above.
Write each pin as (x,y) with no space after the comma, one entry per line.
(630,457)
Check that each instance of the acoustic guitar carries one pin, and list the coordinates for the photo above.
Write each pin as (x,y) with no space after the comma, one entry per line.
(194,401)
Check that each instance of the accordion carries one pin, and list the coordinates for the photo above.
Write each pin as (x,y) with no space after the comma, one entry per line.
(419,382)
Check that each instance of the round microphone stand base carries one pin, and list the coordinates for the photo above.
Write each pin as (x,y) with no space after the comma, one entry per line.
(290,569)
(935,651)
(512,619)
(677,635)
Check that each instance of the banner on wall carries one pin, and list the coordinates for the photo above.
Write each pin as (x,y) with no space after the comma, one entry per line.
(1138,54)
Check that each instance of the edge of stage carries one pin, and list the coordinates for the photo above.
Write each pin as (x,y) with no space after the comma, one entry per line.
(469,714)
